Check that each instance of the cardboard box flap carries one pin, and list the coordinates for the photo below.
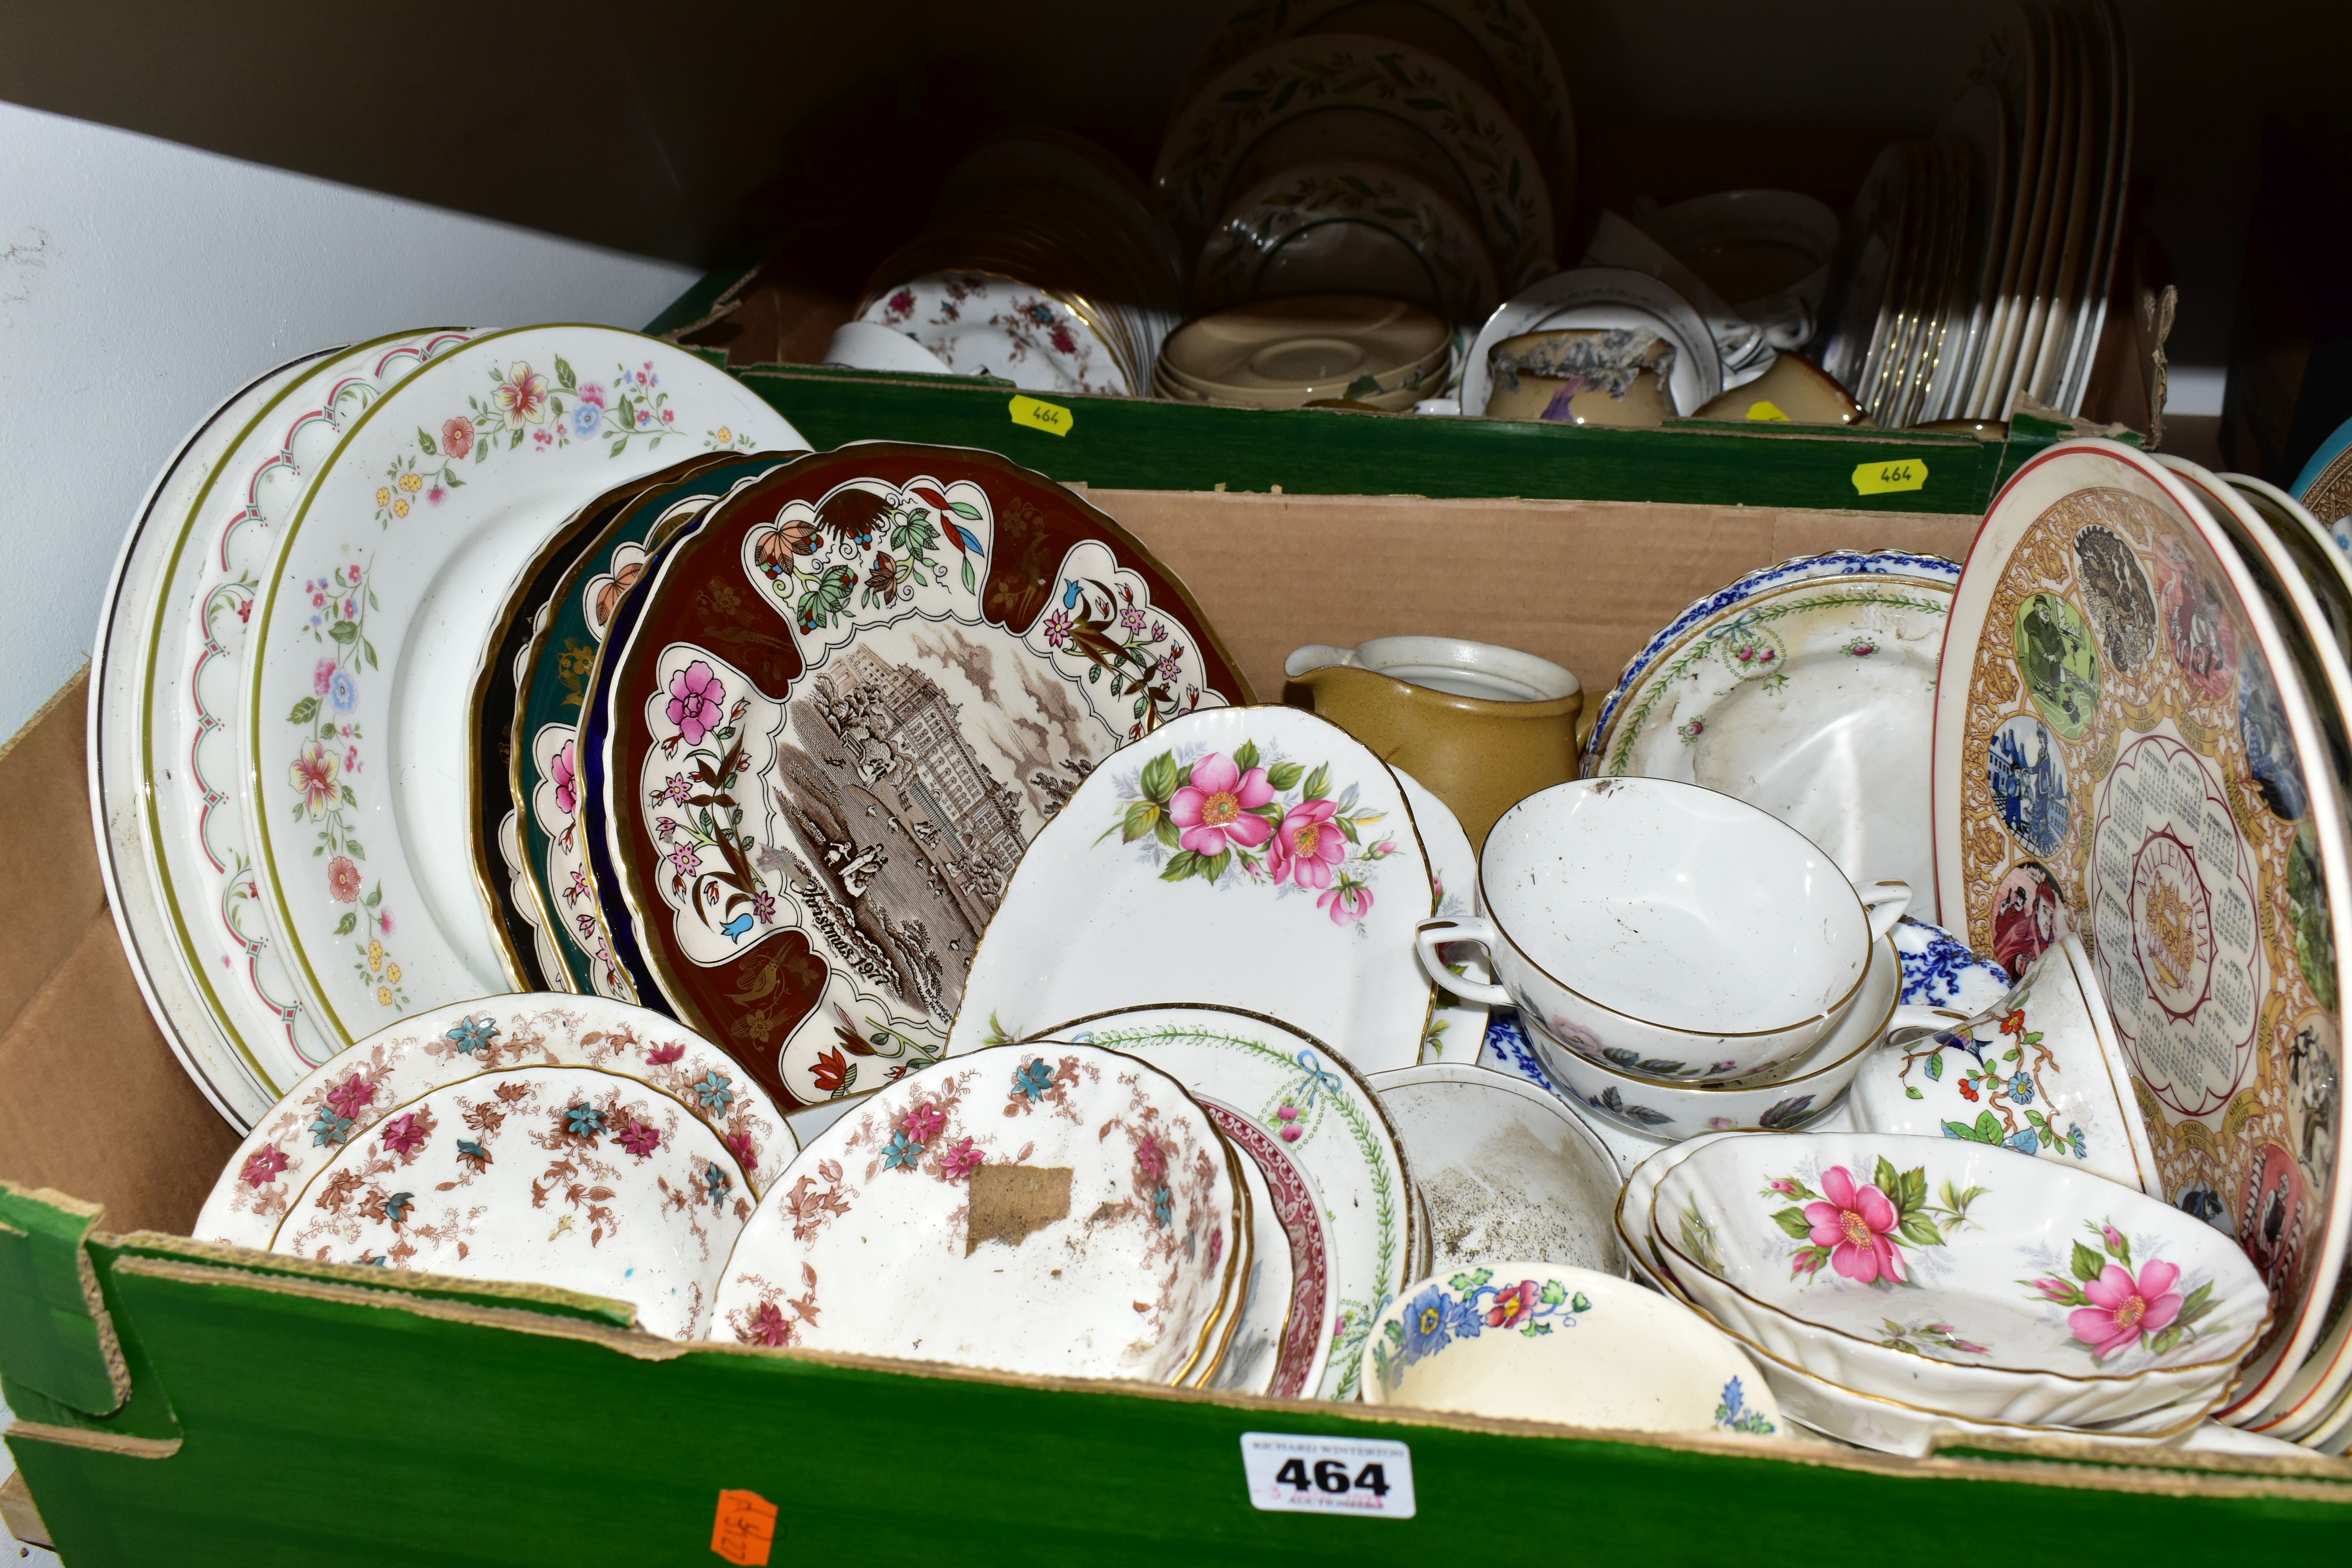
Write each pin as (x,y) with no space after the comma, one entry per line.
(55,1335)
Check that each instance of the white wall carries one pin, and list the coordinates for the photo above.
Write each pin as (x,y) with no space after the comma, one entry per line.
(141,282)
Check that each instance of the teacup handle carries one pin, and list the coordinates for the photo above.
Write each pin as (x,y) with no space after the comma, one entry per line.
(1460,927)
(1884,903)
(1917,1022)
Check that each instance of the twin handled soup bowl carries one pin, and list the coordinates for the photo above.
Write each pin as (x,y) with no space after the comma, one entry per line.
(1666,930)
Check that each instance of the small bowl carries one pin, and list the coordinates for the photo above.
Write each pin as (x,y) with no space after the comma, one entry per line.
(1672,1111)
(1677,931)
(1544,1342)
(1795,391)
(1507,1170)
(1955,1276)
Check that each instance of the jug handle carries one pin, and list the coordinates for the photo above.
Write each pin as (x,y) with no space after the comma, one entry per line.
(1471,929)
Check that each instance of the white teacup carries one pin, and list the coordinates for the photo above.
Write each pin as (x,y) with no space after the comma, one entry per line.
(1666,930)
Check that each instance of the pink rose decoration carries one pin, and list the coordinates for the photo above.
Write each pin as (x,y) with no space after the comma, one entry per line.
(457,438)
(1213,811)
(1307,845)
(342,879)
(324,678)
(2123,1309)
(695,702)
(1854,1225)
(565,771)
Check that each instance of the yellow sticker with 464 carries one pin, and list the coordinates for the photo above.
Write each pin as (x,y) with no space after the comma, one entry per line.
(1884,477)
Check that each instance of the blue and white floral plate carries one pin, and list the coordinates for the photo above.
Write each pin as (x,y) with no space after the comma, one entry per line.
(1807,690)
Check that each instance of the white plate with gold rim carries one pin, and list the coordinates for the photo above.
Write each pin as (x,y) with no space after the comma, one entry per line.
(375,610)
(1283,1097)
(1257,857)
(1009,1209)
(206,885)
(346,1097)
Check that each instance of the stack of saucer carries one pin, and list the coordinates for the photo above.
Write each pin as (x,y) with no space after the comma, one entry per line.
(1896,1291)
(1308,348)
(1045,262)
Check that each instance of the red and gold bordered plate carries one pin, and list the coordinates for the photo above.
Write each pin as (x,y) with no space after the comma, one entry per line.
(846,704)
(2125,748)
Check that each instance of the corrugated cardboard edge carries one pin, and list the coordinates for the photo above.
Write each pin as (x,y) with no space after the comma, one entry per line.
(110,1346)
(16,1510)
(2081,1464)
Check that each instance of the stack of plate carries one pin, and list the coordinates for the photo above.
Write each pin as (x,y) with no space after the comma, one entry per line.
(1421,151)
(1976,268)
(1310,348)
(2172,649)
(1046,262)
(679,722)
(1875,1280)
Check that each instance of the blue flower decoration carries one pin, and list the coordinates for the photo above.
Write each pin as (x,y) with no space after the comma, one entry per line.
(903,1152)
(716,1090)
(585,417)
(2024,1142)
(2020,1089)
(330,1129)
(1434,1320)
(583,1121)
(716,1181)
(1032,1080)
(397,1207)
(1163,1207)
(472,1034)
(2074,1140)
(344,691)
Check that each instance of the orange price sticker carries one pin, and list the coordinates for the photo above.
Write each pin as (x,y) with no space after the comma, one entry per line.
(746,1529)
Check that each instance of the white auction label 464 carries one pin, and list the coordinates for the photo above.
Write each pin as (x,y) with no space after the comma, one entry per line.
(1287,1473)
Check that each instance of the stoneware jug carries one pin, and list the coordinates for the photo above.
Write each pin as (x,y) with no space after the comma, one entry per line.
(1483,727)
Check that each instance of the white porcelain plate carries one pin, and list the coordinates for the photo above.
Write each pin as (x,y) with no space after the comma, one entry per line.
(1807,690)
(550,1175)
(346,1097)
(1055,1209)
(1295,1101)
(374,613)
(1258,858)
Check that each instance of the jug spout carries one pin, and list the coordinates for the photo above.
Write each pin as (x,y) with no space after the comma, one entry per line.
(1305,664)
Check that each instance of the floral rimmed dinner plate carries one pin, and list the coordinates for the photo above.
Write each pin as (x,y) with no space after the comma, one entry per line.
(345,1098)
(844,707)
(1500,44)
(130,861)
(525,945)
(563,1176)
(1807,689)
(1283,1097)
(1055,1209)
(540,857)
(2106,631)
(374,615)
(1262,858)
(1341,95)
(212,885)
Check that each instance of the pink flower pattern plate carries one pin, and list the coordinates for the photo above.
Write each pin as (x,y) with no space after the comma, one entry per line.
(567,1176)
(343,1100)
(1256,859)
(1053,1209)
